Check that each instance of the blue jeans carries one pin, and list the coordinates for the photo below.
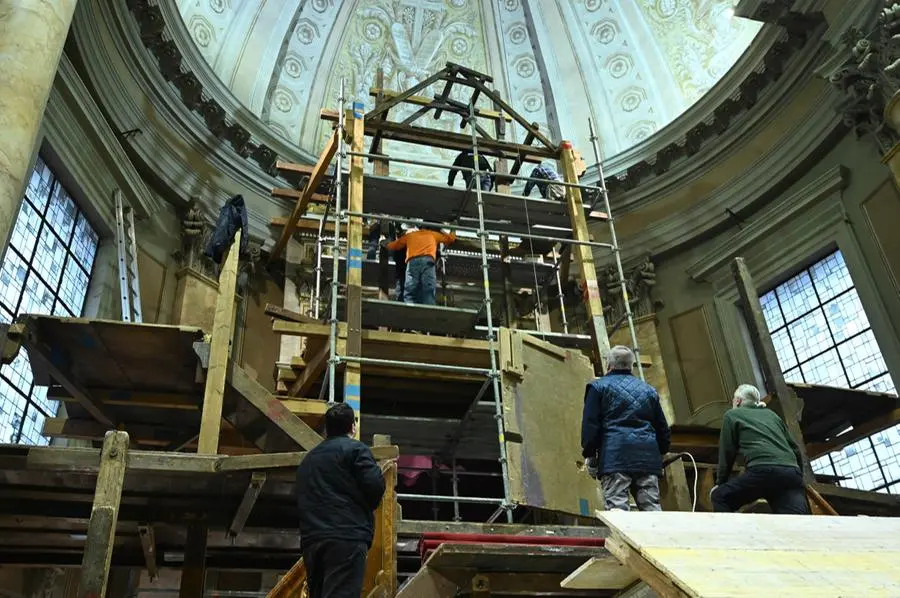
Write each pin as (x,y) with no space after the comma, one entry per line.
(421,281)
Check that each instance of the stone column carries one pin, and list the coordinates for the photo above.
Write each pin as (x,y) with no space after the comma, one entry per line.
(32,34)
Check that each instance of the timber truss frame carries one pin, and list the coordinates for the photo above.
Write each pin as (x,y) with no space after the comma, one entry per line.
(535,147)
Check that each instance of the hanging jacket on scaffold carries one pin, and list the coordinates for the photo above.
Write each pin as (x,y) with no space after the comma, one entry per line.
(232,216)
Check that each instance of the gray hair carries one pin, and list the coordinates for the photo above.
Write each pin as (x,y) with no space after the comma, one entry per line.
(747,394)
(620,357)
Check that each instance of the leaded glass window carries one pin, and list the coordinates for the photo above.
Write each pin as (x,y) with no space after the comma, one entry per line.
(46,270)
(822,336)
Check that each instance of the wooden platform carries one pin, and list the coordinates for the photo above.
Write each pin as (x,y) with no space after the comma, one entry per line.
(397,315)
(440,203)
(509,570)
(46,495)
(459,268)
(725,554)
(149,379)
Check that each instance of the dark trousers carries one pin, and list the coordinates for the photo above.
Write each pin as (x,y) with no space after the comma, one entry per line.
(335,568)
(782,487)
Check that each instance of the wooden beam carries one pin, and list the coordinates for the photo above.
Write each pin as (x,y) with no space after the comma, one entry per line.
(39,357)
(292,583)
(318,173)
(148,545)
(402,338)
(104,516)
(294,168)
(219,352)
(304,224)
(631,558)
(313,371)
(296,194)
(269,406)
(426,101)
(498,101)
(787,405)
(251,494)
(193,572)
(128,398)
(585,258)
(398,98)
(450,140)
(283,313)
(873,426)
(353,309)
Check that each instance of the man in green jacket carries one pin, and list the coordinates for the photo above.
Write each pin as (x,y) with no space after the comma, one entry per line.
(774,465)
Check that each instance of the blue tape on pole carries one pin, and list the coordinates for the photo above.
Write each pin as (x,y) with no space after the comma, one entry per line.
(351,390)
(353,403)
(583,506)
(354,258)
(358,109)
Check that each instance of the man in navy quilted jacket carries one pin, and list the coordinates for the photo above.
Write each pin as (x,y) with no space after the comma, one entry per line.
(624,435)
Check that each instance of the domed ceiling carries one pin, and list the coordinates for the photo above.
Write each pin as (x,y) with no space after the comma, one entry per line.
(632,65)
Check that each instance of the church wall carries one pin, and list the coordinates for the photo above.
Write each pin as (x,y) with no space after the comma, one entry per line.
(846,201)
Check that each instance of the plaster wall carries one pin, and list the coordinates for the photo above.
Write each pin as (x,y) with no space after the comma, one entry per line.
(842,202)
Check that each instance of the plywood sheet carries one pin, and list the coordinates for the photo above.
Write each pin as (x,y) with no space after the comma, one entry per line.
(543,397)
(603,572)
(727,554)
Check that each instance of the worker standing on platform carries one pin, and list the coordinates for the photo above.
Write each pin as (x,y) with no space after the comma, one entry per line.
(421,252)
(774,464)
(339,486)
(624,434)
(466,159)
(547,173)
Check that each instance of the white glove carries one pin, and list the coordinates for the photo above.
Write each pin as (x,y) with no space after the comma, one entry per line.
(592,467)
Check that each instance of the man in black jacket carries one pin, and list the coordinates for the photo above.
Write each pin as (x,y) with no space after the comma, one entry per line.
(339,486)
(624,434)
(466,159)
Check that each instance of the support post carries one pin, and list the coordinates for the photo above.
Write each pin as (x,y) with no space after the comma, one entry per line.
(584,256)
(193,572)
(148,544)
(104,516)
(356,128)
(787,405)
(251,494)
(509,301)
(219,353)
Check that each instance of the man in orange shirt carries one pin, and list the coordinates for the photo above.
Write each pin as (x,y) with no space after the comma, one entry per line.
(421,250)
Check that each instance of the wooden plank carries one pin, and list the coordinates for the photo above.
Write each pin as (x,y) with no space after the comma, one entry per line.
(312,373)
(318,173)
(352,370)
(104,516)
(125,398)
(292,583)
(254,488)
(603,572)
(545,465)
(428,582)
(450,140)
(781,555)
(39,359)
(656,579)
(219,352)
(787,405)
(817,449)
(584,257)
(270,407)
(386,105)
(297,194)
(193,572)
(283,313)
(414,528)
(304,224)
(509,558)
(148,545)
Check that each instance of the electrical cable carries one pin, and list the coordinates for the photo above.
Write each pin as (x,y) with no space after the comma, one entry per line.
(678,456)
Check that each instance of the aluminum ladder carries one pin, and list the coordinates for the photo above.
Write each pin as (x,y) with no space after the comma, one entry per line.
(129,284)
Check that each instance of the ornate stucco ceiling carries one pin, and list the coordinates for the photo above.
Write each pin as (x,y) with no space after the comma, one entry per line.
(632,65)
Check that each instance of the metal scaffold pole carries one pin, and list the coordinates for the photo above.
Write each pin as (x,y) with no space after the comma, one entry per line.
(595,142)
(492,346)
(336,248)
